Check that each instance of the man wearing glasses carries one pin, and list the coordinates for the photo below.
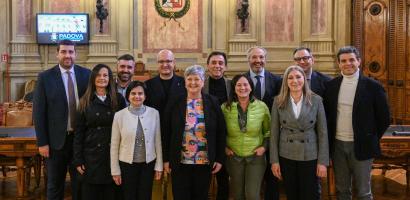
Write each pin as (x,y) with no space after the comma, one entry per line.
(165,84)
(304,58)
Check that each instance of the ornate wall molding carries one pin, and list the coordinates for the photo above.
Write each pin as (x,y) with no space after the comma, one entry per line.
(238,48)
(100,48)
(321,47)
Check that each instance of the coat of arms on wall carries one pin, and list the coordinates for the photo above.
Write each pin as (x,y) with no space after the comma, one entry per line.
(172,9)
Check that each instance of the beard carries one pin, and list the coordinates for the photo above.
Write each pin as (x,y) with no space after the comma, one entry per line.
(66,63)
(124,76)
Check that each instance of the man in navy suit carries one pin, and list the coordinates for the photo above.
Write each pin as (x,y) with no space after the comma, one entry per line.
(303,57)
(56,97)
(357,116)
(267,86)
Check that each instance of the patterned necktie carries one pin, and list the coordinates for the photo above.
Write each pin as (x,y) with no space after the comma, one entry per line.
(71,100)
(258,90)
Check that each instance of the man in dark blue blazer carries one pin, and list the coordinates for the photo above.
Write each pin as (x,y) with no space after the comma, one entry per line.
(357,114)
(55,101)
(269,85)
(303,57)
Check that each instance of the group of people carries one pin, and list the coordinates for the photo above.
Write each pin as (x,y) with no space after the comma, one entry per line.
(115,135)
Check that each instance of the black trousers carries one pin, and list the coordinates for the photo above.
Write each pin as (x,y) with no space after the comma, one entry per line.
(300,180)
(98,191)
(222,179)
(57,165)
(191,182)
(137,180)
(271,182)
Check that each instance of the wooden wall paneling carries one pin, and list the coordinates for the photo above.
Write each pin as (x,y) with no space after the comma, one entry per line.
(374,53)
(357,33)
(392,61)
(380,32)
(407,83)
(399,56)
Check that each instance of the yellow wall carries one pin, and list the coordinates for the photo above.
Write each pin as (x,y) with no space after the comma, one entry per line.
(133,26)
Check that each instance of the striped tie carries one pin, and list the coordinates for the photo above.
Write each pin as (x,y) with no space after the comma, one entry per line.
(258,88)
(71,100)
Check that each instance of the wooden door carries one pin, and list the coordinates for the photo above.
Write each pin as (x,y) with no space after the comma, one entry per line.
(381,32)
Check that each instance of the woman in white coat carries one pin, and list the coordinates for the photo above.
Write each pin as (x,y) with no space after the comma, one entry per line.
(136,152)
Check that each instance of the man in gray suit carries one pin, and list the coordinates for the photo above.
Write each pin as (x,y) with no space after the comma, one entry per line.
(56,97)
(218,85)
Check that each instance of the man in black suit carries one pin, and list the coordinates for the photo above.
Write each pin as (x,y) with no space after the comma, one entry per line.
(357,116)
(218,85)
(165,84)
(266,86)
(56,97)
(303,57)
(125,70)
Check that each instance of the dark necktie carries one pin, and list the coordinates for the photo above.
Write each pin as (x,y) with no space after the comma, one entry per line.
(71,100)
(258,90)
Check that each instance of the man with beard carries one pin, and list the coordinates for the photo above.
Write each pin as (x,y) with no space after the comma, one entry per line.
(125,70)
(266,86)
(217,85)
(304,58)
(57,95)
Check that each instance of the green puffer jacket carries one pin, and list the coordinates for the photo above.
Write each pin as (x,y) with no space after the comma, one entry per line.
(258,128)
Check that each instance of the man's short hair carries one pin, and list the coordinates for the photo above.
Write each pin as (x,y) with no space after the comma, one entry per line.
(65,42)
(248,52)
(302,48)
(348,49)
(217,53)
(126,57)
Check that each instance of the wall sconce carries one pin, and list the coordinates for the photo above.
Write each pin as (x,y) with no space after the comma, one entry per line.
(101,13)
(243,14)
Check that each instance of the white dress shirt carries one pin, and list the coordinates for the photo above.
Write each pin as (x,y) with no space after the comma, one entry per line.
(64,76)
(296,107)
(262,80)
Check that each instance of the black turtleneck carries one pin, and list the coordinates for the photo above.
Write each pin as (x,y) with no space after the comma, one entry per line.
(166,84)
(217,88)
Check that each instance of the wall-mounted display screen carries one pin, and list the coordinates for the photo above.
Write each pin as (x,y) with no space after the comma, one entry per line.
(53,27)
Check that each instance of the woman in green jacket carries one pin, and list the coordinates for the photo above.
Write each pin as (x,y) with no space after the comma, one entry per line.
(248,125)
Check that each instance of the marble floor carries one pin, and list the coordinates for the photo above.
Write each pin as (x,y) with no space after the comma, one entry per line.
(392,186)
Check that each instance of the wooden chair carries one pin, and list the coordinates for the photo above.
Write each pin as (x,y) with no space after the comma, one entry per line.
(28,90)
(179,72)
(141,74)
(19,114)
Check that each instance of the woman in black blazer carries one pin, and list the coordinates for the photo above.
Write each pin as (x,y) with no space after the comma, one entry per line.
(93,134)
(194,134)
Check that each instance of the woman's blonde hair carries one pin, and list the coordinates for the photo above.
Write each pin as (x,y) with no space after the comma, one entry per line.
(283,97)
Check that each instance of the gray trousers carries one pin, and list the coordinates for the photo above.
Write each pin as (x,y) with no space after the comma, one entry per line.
(246,176)
(346,167)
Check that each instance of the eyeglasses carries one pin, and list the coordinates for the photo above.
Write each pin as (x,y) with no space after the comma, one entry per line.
(165,61)
(304,58)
